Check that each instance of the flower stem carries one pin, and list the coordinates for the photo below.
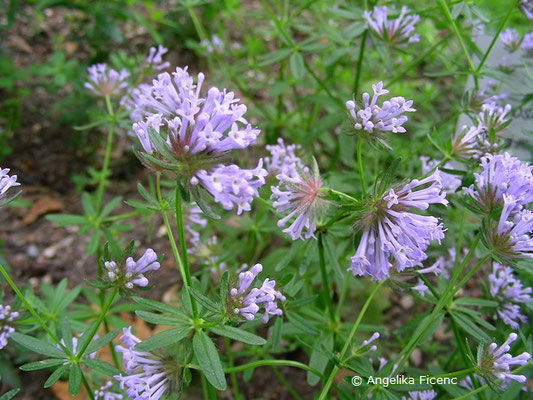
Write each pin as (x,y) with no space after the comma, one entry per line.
(327,385)
(360,164)
(261,363)
(325,282)
(101,317)
(181,268)
(107,157)
(87,387)
(359,64)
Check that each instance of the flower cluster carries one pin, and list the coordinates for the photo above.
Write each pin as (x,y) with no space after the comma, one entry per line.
(105,81)
(421,395)
(510,39)
(155,58)
(512,237)
(509,292)
(246,302)
(192,216)
(527,7)
(450,182)
(493,117)
(200,132)
(214,45)
(527,45)
(103,393)
(132,274)
(375,121)
(496,362)
(470,142)
(395,236)
(6,324)
(298,192)
(6,181)
(146,377)
(283,159)
(397,31)
(501,175)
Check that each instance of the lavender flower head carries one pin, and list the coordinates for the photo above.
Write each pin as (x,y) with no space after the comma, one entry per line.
(6,181)
(146,375)
(366,346)
(6,324)
(496,362)
(283,159)
(512,238)
(398,31)
(509,292)
(155,58)
(510,39)
(200,132)
(493,116)
(247,302)
(501,175)
(393,236)
(527,8)
(132,274)
(299,194)
(374,121)
(527,45)
(470,142)
(421,395)
(105,81)
(103,393)
(450,182)
(420,287)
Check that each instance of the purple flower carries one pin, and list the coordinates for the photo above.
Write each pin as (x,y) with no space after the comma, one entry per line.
(496,362)
(155,58)
(421,395)
(450,182)
(192,216)
(365,347)
(147,377)
(75,346)
(501,175)
(132,274)
(395,236)
(6,181)
(6,324)
(509,292)
(398,31)
(105,81)
(283,159)
(103,393)
(527,45)
(469,142)
(374,121)
(420,287)
(215,45)
(527,7)
(247,302)
(299,195)
(477,27)
(493,116)
(200,134)
(510,39)
(512,238)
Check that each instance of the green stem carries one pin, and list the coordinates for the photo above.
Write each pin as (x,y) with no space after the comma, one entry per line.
(181,268)
(359,64)
(234,383)
(457,373)
(107,157)
(181,236)
(325,283)
(87,387)
(347,344)
(360,165)
(261,363)
(121,216)
(344,293)
(449,17)
(512,5)
(101,317)
(32,310)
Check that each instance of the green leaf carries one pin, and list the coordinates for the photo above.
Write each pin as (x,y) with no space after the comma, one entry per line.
(101,366)
(224,282)
(274,56)
(205,301)
(50,362)
(163,339)
(87,204)
(238,334)
(74,380)
(145,195)
(320,356)
(93,242)
(302,324)
(469,326)
(58,373)
(200,202)
(296,65)
(101,341)
(159,319)
(291,254)
(67,219)
(160,144)
(470,301)
(9,395)
(36,345)
(207,356)
(386,178)
(161,307)
(98,284)
(114,203)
